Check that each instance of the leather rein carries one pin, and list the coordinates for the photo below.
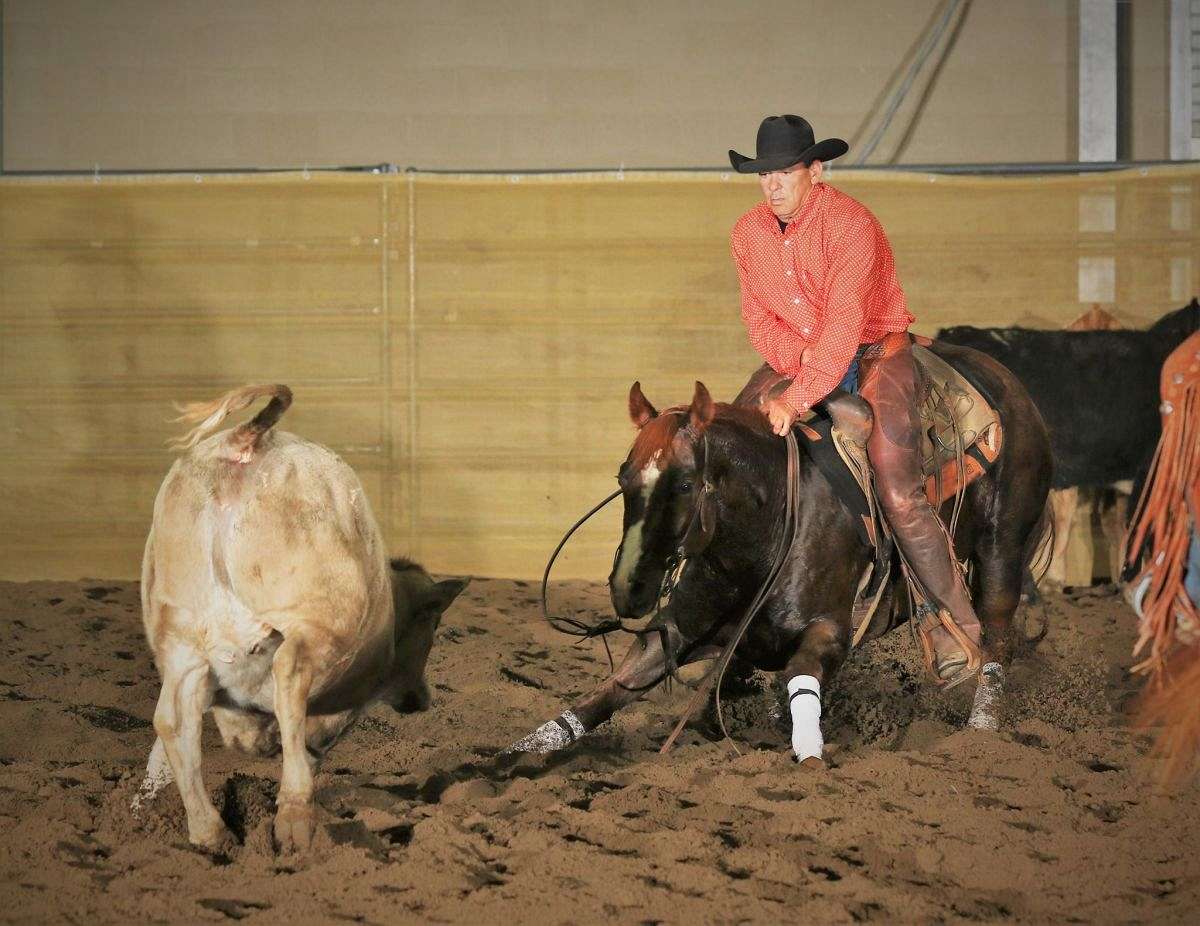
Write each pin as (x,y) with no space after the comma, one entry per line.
(696,538)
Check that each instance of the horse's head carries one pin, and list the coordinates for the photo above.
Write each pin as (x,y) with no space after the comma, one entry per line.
(669,507)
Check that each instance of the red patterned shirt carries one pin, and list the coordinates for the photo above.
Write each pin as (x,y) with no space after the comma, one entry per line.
(816,290)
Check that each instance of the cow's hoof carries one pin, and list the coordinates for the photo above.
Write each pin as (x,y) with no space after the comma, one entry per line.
(216,839)
(294,825)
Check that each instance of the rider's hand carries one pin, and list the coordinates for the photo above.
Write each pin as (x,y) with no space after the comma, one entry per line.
(781,415)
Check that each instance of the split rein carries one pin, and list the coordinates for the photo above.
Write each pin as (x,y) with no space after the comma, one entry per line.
(576,628)
(688,546)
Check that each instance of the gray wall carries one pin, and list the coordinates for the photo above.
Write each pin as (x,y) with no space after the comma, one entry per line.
(534,84)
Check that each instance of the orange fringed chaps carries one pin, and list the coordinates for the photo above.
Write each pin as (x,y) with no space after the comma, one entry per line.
(1166,512)
(1169,706)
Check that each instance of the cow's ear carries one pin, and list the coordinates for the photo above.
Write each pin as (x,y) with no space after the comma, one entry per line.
(641,412)
(700,415)
(443,593)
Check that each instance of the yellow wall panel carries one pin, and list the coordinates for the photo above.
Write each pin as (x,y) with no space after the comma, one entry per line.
(56,283)
(83,354)
(211,209)
(518,360)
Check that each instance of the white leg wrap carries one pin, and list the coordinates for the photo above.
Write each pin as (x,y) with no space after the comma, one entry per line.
(158,776)
(985,712)
(551,736)
(806,716)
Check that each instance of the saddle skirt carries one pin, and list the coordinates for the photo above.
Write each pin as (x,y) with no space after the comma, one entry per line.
(962,432)
(962,438)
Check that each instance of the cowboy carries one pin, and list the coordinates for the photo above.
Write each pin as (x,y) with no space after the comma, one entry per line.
(822,306)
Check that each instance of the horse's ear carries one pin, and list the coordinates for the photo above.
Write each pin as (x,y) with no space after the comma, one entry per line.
(700,415)
(641,412)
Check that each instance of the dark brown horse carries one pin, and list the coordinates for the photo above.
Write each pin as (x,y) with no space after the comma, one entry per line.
(804,626)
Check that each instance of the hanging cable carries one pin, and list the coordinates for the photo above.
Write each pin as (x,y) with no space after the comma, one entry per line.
(930,43)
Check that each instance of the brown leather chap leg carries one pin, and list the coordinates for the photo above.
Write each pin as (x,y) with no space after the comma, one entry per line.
(950,637)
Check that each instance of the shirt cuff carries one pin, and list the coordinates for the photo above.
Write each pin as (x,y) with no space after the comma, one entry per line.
(793,398)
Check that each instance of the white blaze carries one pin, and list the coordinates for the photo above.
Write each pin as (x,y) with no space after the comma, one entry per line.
(631,543)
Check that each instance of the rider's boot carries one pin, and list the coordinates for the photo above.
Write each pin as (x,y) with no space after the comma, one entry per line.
(948,628)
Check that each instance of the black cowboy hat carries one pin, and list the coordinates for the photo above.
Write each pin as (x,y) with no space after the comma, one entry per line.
(784,141)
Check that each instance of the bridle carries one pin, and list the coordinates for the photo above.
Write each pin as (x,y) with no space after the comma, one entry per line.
(695,540)
(702,525)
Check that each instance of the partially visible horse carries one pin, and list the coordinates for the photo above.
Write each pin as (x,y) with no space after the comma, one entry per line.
(726,459)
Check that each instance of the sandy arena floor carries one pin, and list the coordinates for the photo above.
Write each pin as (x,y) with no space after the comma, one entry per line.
(1052,820)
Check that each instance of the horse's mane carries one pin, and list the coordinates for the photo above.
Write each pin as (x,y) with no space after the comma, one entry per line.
(657,438)
(744,415)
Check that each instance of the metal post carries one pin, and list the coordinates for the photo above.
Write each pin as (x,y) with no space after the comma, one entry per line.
(1097,80)
(1181,147)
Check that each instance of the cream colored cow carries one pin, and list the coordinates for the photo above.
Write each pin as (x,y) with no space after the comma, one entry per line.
(267,596)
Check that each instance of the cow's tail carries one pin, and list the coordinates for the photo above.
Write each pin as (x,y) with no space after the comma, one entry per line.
(243,440)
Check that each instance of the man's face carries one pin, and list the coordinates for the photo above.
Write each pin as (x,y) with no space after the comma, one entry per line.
(784,190)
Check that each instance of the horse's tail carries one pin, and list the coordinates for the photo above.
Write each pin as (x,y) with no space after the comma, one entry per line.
(1039,549)
(244,439)
(1169,704)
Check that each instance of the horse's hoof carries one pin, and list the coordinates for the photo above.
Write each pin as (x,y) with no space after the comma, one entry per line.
(813,763)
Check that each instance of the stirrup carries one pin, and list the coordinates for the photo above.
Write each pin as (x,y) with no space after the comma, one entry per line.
(928,621)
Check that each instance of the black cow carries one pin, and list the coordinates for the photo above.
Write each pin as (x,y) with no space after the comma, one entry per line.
(1097,390)
(1098,393)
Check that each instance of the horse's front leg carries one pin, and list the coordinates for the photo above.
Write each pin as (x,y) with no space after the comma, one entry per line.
(822,648)
(996,600)
(642,668)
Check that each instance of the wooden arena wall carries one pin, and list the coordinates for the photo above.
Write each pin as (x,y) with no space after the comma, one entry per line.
(467,342)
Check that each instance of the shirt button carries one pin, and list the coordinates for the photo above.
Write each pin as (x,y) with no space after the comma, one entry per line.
(787,273)
(808,331)
(787,243)
(796,301)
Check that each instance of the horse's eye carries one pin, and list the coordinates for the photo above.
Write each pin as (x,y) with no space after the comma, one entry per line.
(684,487)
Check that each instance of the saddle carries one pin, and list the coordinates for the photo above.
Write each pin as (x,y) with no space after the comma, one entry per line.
(962,438)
